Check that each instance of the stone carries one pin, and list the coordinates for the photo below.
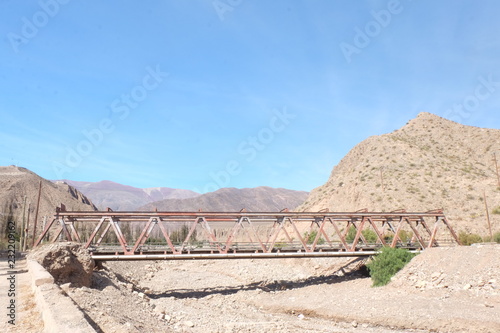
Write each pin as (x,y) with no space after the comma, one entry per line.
(420,284)
(188,323)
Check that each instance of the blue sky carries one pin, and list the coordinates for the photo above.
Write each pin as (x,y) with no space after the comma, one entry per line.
(205,94)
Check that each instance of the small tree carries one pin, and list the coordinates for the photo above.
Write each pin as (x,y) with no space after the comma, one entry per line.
(387,263)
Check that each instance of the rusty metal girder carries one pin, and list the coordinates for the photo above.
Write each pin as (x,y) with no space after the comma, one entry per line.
(177,235)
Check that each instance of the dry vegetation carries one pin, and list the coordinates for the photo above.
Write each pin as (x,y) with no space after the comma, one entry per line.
(430,163)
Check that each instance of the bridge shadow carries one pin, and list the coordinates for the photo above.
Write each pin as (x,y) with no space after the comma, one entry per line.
(351,271)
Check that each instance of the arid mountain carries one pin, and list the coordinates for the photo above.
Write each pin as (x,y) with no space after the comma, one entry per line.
(429,163)
(258,199)
(123,197)
(17,183)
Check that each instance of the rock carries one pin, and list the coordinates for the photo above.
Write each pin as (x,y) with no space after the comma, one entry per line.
(188,323)
(66,262)
(467,286)
(65,287)
(301,316)
(167,318)
(354,324)
(420,284)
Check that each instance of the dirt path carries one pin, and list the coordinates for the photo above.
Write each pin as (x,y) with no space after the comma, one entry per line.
(27,317)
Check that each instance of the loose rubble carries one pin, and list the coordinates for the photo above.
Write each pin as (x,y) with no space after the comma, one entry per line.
(440,290)
(67,262)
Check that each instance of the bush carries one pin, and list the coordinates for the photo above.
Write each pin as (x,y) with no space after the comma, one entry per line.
(468,239)
(370,235)
(310,237)
(496,237)
(387,263)
(351,233)
(405,236)
(496,210)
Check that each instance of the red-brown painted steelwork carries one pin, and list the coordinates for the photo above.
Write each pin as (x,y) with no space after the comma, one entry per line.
(191,234)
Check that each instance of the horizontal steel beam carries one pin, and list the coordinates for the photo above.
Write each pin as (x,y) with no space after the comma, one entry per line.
(135,214)
(236,255)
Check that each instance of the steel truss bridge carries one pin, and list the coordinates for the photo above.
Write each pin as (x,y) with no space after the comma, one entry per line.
(127,235)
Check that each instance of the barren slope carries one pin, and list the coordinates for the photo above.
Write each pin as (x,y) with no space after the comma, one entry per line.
(17,182)
(258,199)
(429,163)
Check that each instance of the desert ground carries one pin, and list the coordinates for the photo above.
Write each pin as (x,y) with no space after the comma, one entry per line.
(441,290)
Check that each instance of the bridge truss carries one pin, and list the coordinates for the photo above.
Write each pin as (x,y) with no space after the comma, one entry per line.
(125,235)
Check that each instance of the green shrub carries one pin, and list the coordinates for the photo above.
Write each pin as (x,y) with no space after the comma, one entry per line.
(496,237)
(387,263)
(310,237)
(468,239)
(370,235)
(388,238)
(496,210)
(351,233)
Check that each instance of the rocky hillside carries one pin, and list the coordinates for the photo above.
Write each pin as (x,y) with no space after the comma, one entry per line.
(429,163)
(123,197)
(17,182)
(259,199)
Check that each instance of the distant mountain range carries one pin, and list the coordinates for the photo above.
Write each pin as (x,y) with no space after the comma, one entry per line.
(117,196)
(258,199)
